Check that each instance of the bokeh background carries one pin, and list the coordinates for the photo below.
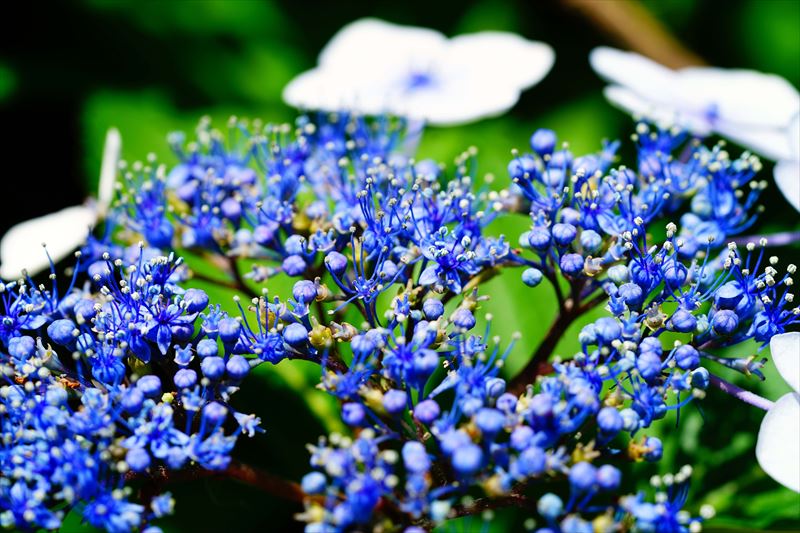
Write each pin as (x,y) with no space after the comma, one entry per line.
(69,70)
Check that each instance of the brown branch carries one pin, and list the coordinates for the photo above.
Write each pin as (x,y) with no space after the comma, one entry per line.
(630,24)
(250,475)
(538,364)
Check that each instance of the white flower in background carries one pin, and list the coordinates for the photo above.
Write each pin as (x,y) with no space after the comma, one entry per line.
(753,109)
(63,231)
(371,67)
(787,171)
(778,447)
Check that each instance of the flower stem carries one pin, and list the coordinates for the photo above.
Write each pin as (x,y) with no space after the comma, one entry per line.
(741,394)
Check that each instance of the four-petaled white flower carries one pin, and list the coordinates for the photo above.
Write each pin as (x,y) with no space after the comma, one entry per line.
(753,109)
(62,231)
(372,67)
(778,447)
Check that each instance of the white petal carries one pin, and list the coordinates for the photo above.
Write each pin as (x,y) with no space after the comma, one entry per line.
(663,114)
(454,103)
(787,177)
(374,44)
(785,349)
(643,76)
(331,89)
(740,96)
(108,168)
(63,231)
(506,58)
(772,143)
(778,447)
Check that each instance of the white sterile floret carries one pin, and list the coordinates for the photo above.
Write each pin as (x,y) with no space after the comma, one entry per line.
(371,66)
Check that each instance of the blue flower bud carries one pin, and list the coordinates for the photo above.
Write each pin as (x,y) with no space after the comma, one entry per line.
(539,238)
(295,245)
(591,241)
(196,300)
(682,321)
(237,367)
(582,476)
(542,404)
(550,506)
(336,263)
(674,273)
(467,459)
(520,166)
(608,330)
(631,419)
(654,449)
(263,233)
(415,457)
(21,347)
(207,348)
(724,322)
(212,367)
(571,264)
(649,365)
(587,335)
(574,524)
(353,414)
(427,411)
(295,334)
(85,309)
(149,385)
(618,274)
(185,378)
(138,459)
(564,234)
(631,294)
(701,378)
(532,277)
(231,209)
(495,387)
(215,413)
(294,265)
(463,318)
(532,461)
(132,400)
(425,363)
(609,421)
(489,421)
(728,296)
(159,235)
(61,331)
(304,291)
(521,437)
(361,344)
(433,308)
(507,402)
(687,357)
(394,401)
(651,344)
(313,483)
(608,477)
(543,141)
(229,330)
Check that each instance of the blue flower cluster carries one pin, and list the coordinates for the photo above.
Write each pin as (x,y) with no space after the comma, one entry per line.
(131,373)
(102,386)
